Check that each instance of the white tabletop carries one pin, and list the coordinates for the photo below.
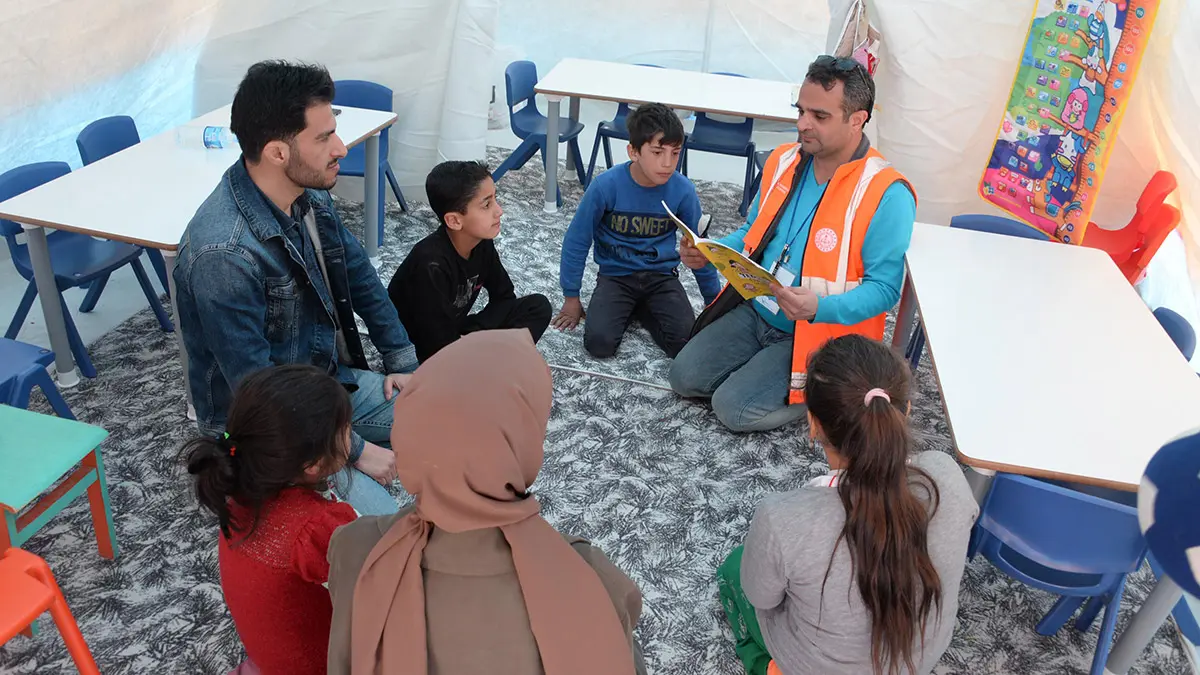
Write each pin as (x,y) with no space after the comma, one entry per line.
(1049,363)
(146,194)
(704,92)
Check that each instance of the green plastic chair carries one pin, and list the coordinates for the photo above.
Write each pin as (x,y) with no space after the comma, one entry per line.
(37,451)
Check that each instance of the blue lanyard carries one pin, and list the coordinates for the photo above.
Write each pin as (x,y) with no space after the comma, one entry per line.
(786,255)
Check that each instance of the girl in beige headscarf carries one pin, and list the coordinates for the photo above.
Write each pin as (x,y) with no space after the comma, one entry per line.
(471,579)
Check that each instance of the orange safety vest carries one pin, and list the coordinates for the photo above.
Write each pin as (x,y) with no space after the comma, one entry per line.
(832,262)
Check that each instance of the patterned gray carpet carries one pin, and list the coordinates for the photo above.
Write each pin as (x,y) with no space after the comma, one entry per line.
(650,478)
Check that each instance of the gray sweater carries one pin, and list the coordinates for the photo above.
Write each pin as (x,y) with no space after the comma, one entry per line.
(788,549)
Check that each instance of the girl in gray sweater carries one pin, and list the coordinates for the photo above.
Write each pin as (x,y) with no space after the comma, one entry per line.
(857,571)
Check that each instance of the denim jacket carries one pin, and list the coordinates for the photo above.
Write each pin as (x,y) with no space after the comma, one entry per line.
(248,298)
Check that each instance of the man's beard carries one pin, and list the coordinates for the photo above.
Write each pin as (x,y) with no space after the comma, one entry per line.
(307,177)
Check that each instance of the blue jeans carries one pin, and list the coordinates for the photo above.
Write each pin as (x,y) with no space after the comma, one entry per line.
(371,419)
(744,365)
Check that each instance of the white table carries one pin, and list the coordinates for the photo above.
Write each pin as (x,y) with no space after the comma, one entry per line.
(145,195)
(1049,363)
(625,83)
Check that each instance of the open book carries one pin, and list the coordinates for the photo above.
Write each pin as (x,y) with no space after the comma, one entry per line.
(746,276)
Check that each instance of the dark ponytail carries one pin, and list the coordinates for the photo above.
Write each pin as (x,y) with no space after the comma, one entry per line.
(858,392)
(283,421)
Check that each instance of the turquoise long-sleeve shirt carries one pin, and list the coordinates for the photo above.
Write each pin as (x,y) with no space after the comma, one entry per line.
(883,250)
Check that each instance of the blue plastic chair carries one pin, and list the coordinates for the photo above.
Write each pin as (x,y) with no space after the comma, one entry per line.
(1179,329)
(1068,543)
(760,161)
(23,367)
(369,96)
(614,128)
(104,137)
(979,223)
(724,138)
(520,77)
(77,259)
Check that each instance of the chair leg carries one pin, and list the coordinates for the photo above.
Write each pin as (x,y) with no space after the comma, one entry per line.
(595,151)
(916,345)
(517,159)
(163,320)
(608,162)
(557,190)
(577,158)
(1090,611)
(42,380)
(1107,628)
(14,327)
(93,294)
(65,622)
(78,349)
(379,210)
(746,186)
(683,161)
(1058,614)
(391,177)
(102,521)
(160,268)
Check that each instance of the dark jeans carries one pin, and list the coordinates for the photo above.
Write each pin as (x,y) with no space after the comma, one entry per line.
(532,312)
(656,300)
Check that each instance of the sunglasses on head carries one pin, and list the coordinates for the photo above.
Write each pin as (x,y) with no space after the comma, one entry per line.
(845,65)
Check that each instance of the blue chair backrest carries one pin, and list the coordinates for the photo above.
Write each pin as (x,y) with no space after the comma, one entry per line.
(368,96)
(1168,502)
(106,136)
(520,77)
(997,225)
(1061,528)
(23,179)
(1179,329)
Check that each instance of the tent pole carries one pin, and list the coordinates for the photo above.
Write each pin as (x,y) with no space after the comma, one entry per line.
(708,36)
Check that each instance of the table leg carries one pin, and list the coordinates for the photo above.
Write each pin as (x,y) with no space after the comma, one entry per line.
(169,261)
(52,309)
(573,114)
(552,111)
(980,481)
(905,316)
(371,197)
(1142,627)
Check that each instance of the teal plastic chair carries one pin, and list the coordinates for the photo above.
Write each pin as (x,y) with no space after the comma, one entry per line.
(36,452)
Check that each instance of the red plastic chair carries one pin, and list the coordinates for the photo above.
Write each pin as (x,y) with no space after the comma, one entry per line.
(1133,246)
(28,589)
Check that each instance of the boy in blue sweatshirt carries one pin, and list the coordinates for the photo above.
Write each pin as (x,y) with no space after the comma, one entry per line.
(622,213)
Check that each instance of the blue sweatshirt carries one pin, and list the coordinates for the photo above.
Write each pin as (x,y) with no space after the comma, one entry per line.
(883,250)
(631,230)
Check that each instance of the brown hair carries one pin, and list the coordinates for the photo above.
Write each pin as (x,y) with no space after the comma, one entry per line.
(886,523)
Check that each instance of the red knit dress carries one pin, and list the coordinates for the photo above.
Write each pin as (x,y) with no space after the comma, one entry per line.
(273,581)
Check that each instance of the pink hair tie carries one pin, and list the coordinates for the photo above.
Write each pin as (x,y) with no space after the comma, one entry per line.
(876,392)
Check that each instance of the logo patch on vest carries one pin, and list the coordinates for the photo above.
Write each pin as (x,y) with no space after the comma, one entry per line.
(825,239)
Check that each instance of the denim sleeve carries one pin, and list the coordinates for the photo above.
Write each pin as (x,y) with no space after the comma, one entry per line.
(883,250)
(231,305)
(371,302)
(578,241)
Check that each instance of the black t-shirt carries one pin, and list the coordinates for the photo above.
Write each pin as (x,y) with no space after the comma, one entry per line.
(434,289)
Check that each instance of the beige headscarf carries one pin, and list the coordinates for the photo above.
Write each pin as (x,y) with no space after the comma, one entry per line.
(468,436)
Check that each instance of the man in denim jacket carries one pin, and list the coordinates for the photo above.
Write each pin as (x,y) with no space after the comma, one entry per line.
(267,275)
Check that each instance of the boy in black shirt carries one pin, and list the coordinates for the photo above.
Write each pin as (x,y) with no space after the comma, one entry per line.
(436,286)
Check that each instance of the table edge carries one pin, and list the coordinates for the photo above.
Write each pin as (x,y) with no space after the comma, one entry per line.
(395,118)
(1042,473)
(26,220)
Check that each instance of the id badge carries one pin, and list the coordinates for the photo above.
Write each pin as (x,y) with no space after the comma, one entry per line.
(785,277)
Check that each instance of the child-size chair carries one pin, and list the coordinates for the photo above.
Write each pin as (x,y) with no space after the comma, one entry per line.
(23,367)
(369,96)
(614,128)
(104,137)
(78,260)
(1133,246)
(529,125)
(28,588)
(724,138)
(36,452)
(1072,544)
(1180,331)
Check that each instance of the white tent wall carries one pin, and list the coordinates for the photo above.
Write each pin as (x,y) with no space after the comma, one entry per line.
(427,52)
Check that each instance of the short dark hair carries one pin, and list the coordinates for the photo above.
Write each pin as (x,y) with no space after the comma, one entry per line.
(271,101)
(858,89)
(648,120)
(283,419)
(451,186)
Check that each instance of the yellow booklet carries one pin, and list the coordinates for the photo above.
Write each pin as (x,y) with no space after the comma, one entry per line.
(746,276)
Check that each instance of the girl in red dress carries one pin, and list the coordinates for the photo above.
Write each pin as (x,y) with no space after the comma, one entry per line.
(265,479)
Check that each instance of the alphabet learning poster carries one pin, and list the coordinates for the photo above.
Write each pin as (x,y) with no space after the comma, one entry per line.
(1080,62)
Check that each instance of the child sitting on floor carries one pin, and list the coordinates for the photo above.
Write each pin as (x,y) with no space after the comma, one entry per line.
(265,479)
(622,211)
(858,570)
(437,284)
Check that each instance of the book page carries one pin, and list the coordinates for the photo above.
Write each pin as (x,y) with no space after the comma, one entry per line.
(747,277)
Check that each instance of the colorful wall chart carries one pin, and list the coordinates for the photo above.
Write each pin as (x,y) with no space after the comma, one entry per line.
(1080,62)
